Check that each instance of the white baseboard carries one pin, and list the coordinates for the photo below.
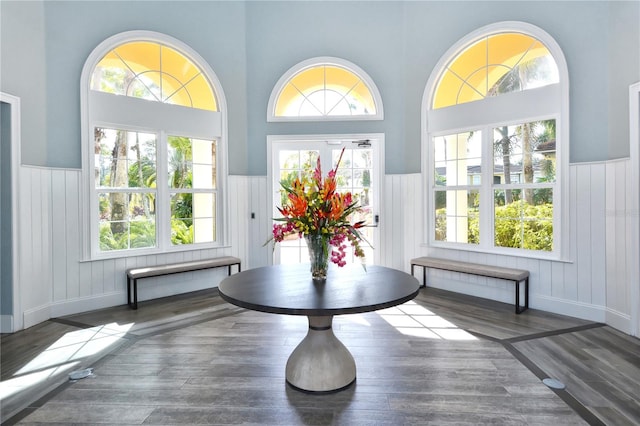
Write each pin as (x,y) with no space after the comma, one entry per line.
(504,292)
(6,324)
(585,311)
(36,315)
(151,288)
(88,303)
(619,321)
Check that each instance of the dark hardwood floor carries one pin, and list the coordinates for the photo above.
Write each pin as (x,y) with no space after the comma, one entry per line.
(443,358)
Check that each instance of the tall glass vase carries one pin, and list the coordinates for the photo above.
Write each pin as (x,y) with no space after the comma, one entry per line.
(318,246)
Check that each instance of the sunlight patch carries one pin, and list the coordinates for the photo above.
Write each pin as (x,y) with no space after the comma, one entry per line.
(453,334)
(418,332)
(20,383)
(357,319)
(76,345)
(412,319)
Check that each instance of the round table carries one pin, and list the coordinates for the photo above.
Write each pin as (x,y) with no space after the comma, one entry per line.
(320,363)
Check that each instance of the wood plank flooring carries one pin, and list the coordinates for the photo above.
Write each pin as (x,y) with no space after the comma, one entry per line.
(443,358)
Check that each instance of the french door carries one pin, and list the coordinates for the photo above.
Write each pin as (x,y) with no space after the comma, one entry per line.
(360,173)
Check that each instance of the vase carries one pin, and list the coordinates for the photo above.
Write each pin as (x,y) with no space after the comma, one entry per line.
(318,246)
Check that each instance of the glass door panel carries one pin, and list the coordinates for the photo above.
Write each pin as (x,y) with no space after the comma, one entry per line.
(357,174)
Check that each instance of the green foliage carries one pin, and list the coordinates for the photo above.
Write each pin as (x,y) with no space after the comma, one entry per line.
(180,160)
(181,232)
(287,182)
(148,174)
(473,228)
(182,208)
(366,178)
(139,234)
(143,233)
(526,226)
(517,225)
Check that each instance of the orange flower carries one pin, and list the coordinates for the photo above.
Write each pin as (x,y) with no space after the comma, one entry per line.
(336,208)
(298,205)
(328,189)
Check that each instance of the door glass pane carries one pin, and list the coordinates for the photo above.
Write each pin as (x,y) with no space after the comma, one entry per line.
(292,164)
(355,175)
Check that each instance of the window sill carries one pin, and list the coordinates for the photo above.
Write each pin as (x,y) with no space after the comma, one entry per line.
(150,252)
(521,254)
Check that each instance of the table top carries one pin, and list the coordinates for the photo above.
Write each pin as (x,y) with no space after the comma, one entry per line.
(289,289)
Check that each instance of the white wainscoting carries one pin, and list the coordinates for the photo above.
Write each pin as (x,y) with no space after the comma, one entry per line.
(594,285)
(618,219)
(56,282)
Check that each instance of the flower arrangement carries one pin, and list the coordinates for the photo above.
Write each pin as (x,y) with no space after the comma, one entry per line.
(316,211)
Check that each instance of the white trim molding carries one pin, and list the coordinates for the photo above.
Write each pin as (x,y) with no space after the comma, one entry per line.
(320,61)
(203,124)
(634,210)
(16,322)
(549,102)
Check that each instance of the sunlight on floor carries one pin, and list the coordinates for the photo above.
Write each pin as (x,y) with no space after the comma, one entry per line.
(412,319)
(63,355)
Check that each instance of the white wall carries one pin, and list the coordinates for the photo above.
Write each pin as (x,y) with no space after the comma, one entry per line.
(593,286)
(55,282)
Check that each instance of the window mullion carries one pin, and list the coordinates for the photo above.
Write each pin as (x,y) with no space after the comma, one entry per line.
(163,202)
(486,191)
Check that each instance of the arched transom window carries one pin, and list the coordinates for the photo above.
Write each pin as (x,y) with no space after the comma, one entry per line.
(494,65)
(496,117)
(153,71)
(324,89)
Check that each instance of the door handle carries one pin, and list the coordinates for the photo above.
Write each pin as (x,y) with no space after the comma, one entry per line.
(376,222)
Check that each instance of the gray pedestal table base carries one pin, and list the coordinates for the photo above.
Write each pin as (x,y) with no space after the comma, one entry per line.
(320,363)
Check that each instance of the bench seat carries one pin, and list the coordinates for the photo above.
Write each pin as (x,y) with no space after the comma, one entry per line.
(134,274)
(500,272)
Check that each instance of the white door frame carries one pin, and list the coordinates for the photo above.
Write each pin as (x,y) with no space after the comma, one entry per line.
(634,211)
(14,322)
(379,137)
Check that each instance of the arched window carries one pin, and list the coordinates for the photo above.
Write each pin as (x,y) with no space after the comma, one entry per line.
(496,134)
(155,72)
(325,89)
(154,140)
(493,65)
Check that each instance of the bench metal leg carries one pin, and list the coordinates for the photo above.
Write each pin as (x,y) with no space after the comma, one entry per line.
(519,309)
(135,294)
(238,265)
(132,302)
(424,274)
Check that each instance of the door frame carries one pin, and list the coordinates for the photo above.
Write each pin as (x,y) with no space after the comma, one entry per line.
(634,256)
(12,323)
(379,137)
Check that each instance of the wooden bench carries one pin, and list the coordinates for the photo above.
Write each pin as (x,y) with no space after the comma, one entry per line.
(510,274)
(134,274)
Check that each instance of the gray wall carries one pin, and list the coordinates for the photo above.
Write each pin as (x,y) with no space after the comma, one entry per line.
(250,44)
(23,72)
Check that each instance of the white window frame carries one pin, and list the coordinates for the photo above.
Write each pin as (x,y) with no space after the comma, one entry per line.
(100,109)
(320,61)
(536,104)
